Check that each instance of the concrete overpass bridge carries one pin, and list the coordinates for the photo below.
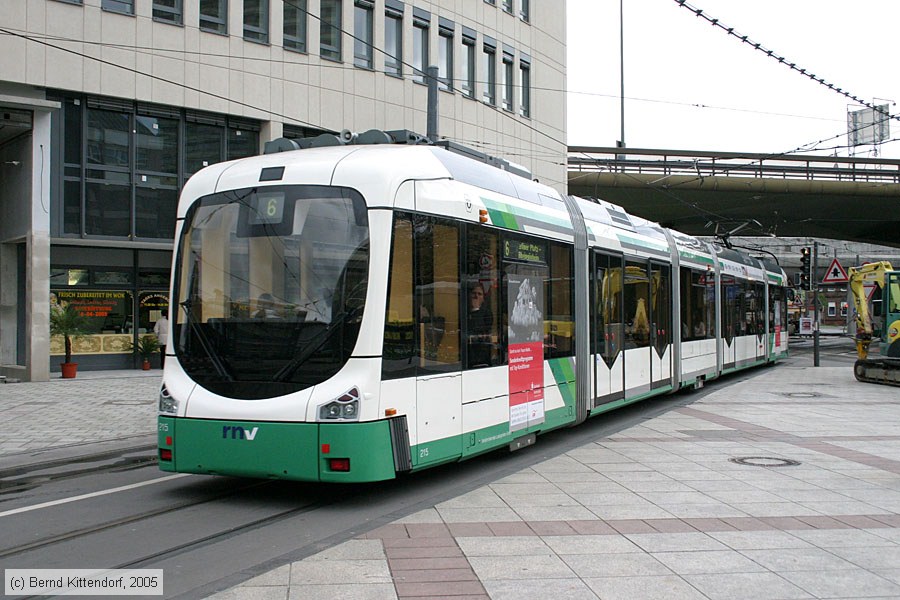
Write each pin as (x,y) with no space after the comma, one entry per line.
(710,193)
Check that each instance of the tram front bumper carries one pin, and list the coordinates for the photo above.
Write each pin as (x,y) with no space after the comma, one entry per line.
(333,452)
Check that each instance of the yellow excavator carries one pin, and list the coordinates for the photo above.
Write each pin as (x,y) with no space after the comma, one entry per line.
(886,368)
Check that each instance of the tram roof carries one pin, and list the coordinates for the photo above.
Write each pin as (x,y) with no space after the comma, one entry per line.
(320,165)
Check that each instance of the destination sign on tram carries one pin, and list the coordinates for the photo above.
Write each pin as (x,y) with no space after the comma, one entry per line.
(524,251)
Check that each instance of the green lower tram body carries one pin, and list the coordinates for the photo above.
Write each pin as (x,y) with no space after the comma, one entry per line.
(328,452)
(296,451)
(342,452)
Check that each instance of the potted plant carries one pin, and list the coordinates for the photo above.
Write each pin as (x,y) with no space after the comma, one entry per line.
(66,321)
(146,346)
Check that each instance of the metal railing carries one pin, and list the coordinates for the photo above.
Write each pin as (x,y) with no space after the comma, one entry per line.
(729,164)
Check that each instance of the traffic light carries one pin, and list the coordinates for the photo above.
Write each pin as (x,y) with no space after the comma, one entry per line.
(805,268)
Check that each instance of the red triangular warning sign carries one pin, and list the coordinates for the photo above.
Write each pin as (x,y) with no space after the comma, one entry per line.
(835,273)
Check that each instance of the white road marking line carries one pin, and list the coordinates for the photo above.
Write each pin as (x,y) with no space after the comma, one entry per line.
(16,511)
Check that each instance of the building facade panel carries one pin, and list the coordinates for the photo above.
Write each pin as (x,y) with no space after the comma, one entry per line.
(145,99)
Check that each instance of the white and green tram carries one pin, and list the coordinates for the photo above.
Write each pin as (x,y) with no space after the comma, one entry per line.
(355,311)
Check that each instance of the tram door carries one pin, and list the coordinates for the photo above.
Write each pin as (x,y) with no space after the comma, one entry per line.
(638,327)
(661,329)
(759,320)
(728,323)
(608,328)
(438,352)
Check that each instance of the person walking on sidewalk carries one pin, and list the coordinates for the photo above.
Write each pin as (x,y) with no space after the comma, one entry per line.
(161,329)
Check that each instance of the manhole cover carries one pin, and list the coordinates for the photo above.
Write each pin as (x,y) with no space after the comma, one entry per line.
(764,461)
(802,395)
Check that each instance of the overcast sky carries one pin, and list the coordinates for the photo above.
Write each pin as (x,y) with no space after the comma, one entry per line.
(691,86)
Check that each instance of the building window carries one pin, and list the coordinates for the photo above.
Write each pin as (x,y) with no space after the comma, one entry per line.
(242,142)
(507,6)
(524,10)
(297,132)
(525,94)
(363,32)
(155,141)
(204,144)
(467,79)
(168,11)
(330,30)
(393,38)
(124,164)
(489,70)
(445,55)
(295,25)
(214,16)
(421,24)
(107,202)
(72,115)
(507,81)
(156,176)
(119,6)
(256,21)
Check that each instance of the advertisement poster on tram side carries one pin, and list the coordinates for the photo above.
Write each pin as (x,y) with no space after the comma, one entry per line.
(526,351)
(777,324)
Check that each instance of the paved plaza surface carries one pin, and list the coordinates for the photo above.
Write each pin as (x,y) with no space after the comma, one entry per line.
(95,411)
(783,485)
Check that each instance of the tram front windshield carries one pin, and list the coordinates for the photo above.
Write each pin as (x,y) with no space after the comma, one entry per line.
(270,287)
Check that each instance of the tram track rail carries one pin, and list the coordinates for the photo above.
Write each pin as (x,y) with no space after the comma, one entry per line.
(199,543)
(87,531)
(211,535)
(28,477)
(224,535)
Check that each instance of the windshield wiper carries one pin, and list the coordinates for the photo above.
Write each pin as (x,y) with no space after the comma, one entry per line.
(295,363)
(214,358)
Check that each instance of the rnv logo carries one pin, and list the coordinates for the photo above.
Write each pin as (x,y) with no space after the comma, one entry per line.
(239,433)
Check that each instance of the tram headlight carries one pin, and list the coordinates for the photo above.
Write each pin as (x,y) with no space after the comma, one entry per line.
(167,404)
(345,408)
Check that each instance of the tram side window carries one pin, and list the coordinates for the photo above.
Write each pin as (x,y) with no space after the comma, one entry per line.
(784,309)
(744,317)
(637,305)
(608,305)
(759,290)
(398,355)
(594,309)
(752,295)
(731,310)
(698,305)
(777,309)
(422,328)
(739,308)
(482,324)
(437,283)
(661,310)
(559,326)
